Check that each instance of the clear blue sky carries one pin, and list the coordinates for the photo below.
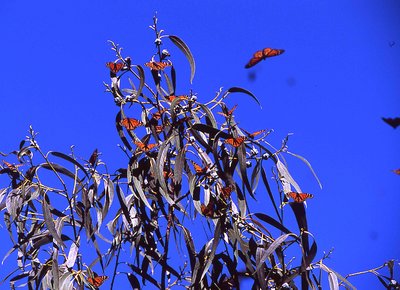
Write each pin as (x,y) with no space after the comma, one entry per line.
(339,75)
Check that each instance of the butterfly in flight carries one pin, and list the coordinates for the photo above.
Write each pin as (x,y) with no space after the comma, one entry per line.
(263,54)
(157,65)
(145,147)
(115,67)
(97,281)
(131,123)
(397,171)
(394,122)
(235,142)
(299,197)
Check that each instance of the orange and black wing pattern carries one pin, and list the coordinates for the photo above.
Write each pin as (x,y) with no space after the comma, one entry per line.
(97,281)
(263,54)
(145,147)
(115,67)
(235,142)
(131,123)
(157,65)
(299,197)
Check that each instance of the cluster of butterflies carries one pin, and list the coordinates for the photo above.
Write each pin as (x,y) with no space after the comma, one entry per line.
(115,67)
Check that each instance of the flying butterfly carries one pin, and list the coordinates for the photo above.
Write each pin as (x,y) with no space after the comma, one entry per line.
(235,142)
(145,147)
(131,123)
(394,122)
(299,197)
(263,54)
(229,113)
(115,67)
(157,65)
(397,171)
(97,281)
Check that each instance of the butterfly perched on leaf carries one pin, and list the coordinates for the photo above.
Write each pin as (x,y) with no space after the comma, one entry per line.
(171,98)
(158,115)
(394,122)
(263,54)
(93,157)
(115,67)
(235,142)
(157,65)
(131,123)
(207,210)
(198,168)
(299,197)
(254,134)
(145,147)
(97,281)
(226,191)
(228,114)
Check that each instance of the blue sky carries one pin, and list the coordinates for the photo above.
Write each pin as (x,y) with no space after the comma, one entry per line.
(338,77)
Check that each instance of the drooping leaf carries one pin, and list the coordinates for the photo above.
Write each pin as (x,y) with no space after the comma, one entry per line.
(186,51)
(244,91)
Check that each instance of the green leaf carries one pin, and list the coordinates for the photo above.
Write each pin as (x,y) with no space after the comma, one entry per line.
(186,51)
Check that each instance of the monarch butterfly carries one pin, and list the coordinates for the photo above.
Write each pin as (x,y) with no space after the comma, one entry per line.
(235,142)
(157,115)
(207,210)
(252,135)
(131,123)
(10,166)
(394,122)
(229,113)
(226,191)
(155,65)
(198,168)
(263,54)
(299,197)
(93,157)
(171,98)
(145,147)
(97,281)
(115,67)
(159,128)
(397,171)
(168,174)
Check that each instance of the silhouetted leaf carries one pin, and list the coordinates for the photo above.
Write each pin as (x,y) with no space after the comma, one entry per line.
(185,49)
(241,90)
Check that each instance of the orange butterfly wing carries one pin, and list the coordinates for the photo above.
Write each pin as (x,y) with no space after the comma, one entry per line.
(157,65)
(115,67)
(263,54)
(207,210)
(97,281)
(252,135)
(198,168)
(131,123)
(397,171)
(299,197)
(235,142)
(145,147)
(157,115)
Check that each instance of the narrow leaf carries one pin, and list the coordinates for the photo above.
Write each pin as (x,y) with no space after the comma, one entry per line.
(186,51)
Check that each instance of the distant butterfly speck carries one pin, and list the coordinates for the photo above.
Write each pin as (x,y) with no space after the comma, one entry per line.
(394,122)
